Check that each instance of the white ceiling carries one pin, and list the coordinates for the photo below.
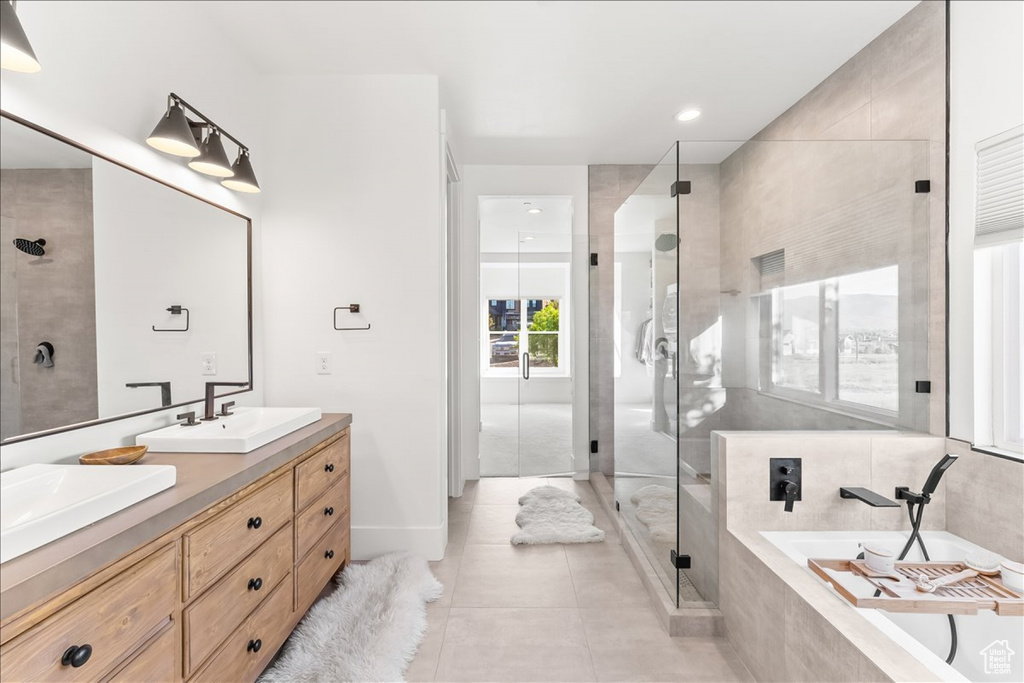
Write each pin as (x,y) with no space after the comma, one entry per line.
(586,82)
(506,226)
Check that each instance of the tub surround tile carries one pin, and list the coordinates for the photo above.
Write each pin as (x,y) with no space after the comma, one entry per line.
(984,497)
(904,460)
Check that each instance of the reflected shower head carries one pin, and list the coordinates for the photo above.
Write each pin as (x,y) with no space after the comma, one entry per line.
(29,247)
(666,241)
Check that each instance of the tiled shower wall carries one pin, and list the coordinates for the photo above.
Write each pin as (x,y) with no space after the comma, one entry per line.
(51,299)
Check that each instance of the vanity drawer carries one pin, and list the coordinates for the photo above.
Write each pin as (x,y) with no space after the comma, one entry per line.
(112,620)
(317,568)
(220,610)
(237,659)
(328,509)
(317,474)
(157,663)
(232,534)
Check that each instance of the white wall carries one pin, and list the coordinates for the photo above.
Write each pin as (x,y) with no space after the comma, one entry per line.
(154,248)
(352,215)
(526,181)
(105,79)
(986,98)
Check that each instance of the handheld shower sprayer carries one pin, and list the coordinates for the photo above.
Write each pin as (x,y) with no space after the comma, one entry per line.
(904,492)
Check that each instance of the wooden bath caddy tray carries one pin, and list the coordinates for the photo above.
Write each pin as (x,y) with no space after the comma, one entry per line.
(966,596)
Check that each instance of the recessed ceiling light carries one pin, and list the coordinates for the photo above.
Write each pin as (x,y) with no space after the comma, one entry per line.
(534,210)
(688,114)
(527,239)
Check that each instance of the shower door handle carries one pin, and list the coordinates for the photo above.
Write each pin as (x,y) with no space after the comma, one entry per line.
(526,366)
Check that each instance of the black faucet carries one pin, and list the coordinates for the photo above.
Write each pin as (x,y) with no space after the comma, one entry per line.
(785,475)
(211,387)
(165,390)
(867,496)
(789,489)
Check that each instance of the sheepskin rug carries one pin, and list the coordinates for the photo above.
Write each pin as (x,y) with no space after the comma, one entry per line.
(656,508)
(366,630)
(553,515)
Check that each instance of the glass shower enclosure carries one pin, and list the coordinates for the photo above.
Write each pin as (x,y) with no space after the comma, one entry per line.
(760,285)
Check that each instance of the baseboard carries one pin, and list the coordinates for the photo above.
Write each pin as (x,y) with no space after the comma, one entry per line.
(369,542)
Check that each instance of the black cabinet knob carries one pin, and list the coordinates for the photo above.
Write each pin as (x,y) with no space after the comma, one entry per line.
(329,555)
(76,655)
(254,645)
(328,511)
(255,522)
(255,584)
(329,467)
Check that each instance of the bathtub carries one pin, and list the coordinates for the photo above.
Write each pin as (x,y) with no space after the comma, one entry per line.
(925,636)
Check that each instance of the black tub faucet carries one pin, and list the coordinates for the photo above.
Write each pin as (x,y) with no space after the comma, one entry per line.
(867,496)
(211,388)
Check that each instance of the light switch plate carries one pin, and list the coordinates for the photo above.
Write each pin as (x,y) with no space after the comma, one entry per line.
(323,362)
(208,363)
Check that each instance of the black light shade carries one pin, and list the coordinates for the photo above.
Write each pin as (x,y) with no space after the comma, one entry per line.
(244,179)
(173,134)
(15,51)
(212,159)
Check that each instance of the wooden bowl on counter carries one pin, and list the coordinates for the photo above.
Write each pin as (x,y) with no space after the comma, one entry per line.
(115,456)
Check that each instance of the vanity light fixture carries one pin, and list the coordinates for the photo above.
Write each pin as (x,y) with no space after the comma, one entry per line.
(688,115)
(173,134)
(244,179)
(201,140)
(212,159)
(16,52)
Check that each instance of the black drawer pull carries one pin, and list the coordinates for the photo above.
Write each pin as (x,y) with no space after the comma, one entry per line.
(254,645)
(328,511)
(255,584)
(329,467)
(255,522)
(329,555)
(76,655)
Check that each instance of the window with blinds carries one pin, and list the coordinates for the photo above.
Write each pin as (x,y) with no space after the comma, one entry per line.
(999,213)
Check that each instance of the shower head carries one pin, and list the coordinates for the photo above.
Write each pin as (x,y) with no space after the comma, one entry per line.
(30,247)
(666,241)
(936,474)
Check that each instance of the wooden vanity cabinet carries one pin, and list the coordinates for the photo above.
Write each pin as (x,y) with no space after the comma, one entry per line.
(212,600)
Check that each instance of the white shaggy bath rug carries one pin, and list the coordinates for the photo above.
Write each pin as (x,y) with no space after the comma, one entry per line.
(367,630)
(656,507)
(554,515)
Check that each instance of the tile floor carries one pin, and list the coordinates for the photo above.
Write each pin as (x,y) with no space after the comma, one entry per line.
(549,613)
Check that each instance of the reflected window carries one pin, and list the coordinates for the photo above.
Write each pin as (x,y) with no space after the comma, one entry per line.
(868,344)
(835,341)
(795,337)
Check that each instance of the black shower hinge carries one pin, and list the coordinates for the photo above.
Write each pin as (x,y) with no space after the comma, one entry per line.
(593,446)
(680,561)
(922,387)
(921,186)
(616,506)
(680,187)
(593,259)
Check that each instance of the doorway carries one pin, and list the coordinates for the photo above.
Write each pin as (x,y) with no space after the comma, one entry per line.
(526,373)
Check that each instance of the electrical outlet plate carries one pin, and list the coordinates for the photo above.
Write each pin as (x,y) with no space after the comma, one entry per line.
(208,363)
(323,362)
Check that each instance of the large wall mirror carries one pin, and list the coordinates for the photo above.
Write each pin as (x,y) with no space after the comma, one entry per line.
(119,295)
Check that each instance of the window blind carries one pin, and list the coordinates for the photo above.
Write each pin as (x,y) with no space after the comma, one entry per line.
(999,212)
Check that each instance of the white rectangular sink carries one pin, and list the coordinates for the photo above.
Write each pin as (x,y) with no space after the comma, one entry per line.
(246,430)
(41,503)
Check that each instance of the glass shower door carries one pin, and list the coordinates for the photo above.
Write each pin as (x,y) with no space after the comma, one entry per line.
(646,320)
